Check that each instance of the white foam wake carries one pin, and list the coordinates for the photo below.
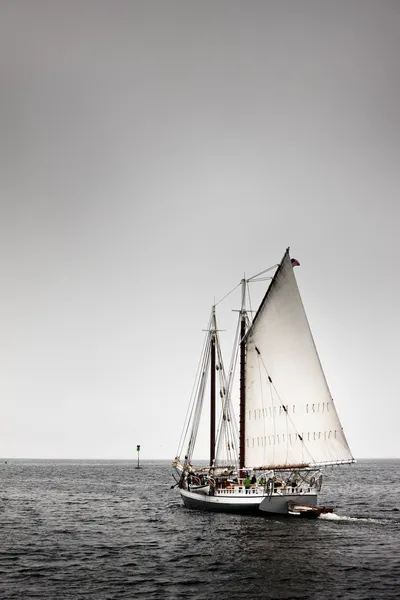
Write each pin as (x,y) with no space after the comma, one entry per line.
(335,517)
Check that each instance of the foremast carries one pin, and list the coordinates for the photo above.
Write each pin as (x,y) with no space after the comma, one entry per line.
(211,372)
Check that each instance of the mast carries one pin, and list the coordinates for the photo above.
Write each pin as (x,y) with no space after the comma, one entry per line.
(212,391)
(242,393)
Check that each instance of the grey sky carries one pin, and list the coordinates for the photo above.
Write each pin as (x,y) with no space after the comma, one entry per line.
(151,152)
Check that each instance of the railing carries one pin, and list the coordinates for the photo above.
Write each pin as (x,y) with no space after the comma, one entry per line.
(262,491)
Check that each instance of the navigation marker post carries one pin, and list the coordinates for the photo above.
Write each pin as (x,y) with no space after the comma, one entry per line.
(138,450)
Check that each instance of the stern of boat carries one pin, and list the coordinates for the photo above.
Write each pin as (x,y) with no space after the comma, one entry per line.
(278,503)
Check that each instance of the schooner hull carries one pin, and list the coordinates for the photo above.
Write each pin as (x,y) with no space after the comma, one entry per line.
(220,504)
(252,504)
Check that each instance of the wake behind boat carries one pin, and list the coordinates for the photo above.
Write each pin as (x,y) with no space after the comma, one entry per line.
(288,425)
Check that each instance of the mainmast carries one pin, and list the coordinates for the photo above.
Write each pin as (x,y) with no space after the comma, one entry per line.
(212,390)
(242,393)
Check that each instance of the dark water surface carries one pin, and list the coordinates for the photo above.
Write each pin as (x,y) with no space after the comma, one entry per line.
(105,530)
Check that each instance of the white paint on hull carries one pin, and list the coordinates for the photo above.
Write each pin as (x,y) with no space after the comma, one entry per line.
(279,504)
(220,503)
(275,504)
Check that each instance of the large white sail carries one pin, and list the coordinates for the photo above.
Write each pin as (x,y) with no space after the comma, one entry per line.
(290,416)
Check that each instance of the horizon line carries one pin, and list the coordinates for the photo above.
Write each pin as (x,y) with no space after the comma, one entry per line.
(134,458)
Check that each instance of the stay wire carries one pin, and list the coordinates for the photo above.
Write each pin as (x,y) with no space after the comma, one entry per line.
(196,384)
(228,294)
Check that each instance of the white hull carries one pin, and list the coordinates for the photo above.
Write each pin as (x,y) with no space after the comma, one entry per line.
(249,502)
(279,504)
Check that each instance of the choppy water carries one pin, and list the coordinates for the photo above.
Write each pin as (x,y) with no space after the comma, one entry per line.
(105,530)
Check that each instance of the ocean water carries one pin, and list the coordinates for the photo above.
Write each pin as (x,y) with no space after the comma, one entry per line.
(105,530)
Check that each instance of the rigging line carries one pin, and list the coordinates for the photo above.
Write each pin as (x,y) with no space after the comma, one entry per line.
(273,418)
(262,272)
(284,407)
(224,425)
(287,437)
(221,420)
(233,366)
(234,356)
(229,384)
(231,434)
(189,411)
(196,383)
(195,393)
(263,408)
(235,352)
(228,294)
(261,279)
(233,428)
(199,406)
(249,297)
(222,386)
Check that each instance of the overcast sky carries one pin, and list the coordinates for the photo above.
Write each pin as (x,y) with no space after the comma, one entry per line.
(151,153)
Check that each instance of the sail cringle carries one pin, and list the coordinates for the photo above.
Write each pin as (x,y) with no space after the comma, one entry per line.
(290,417)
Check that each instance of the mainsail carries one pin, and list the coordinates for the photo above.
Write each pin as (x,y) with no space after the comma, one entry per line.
(290,418)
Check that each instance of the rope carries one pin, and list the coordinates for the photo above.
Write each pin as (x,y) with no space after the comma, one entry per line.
(262,404)
(262,272)
(273,416)
(193,395)
(226,427)
(228,294)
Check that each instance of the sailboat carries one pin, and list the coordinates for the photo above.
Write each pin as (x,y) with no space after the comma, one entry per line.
(288,429)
